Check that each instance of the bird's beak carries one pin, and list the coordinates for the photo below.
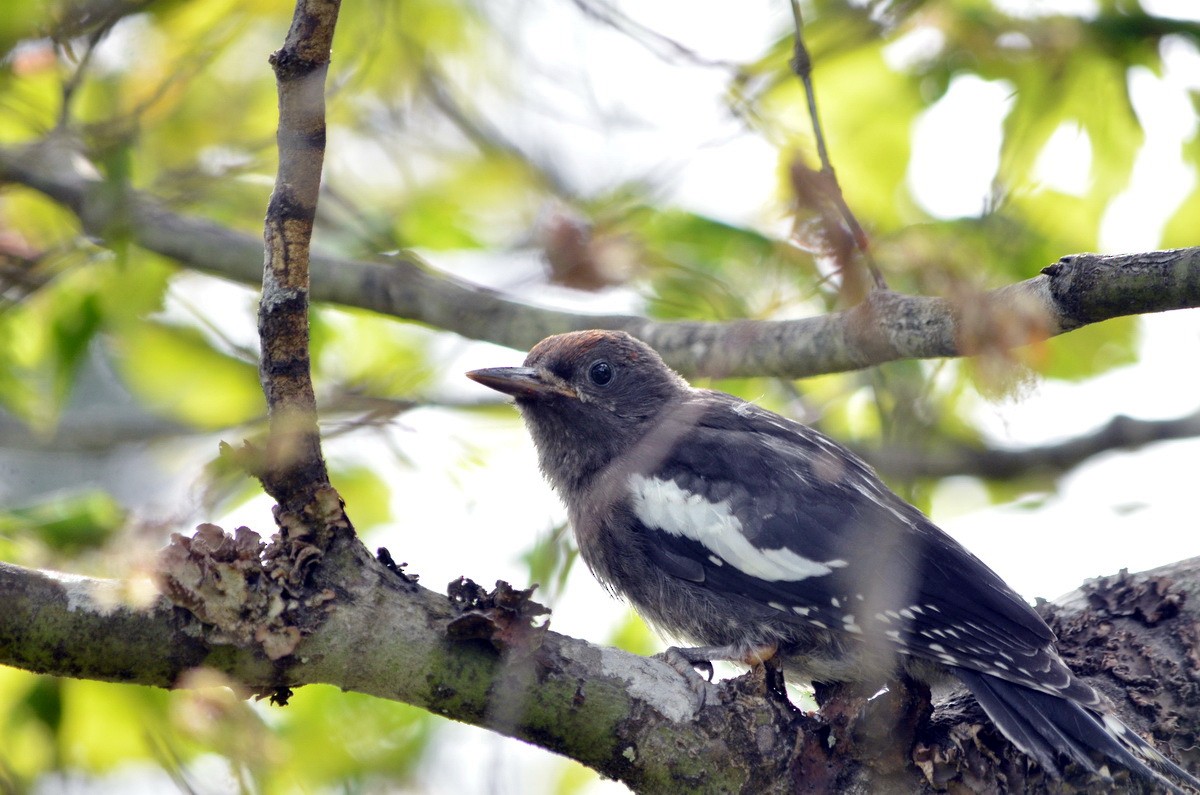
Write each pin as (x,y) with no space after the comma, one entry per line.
(523,382)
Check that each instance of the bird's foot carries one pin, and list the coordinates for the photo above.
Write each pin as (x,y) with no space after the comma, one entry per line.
(686,662)
(689,661)
(773,682)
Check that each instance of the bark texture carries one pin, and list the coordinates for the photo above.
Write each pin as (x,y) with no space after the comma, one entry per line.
(478,658)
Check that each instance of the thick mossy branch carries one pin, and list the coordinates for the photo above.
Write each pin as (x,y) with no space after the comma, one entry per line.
(629,717)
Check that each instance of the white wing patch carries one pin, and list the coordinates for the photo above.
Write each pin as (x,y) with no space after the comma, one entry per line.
(663,505)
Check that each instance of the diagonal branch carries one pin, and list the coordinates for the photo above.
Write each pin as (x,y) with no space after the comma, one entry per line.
(1077,290)
(941,460)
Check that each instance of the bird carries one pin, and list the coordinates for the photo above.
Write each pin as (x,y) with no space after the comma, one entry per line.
(754,536)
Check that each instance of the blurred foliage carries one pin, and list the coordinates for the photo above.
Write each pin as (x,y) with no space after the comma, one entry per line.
(176,99)
(634,636)
(176,371)
(550,561)
(64,523)
(323,740)
(1181,229)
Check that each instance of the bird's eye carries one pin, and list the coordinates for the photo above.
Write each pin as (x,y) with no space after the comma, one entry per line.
(600,373)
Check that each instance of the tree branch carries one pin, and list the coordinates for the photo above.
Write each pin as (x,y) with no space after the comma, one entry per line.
(945,459)
(623,715)
(1078,290)
(293,469)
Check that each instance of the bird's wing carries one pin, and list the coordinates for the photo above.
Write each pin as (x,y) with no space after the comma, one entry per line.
(754,505)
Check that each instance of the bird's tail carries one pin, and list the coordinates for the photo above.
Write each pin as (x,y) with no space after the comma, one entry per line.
(1045,726)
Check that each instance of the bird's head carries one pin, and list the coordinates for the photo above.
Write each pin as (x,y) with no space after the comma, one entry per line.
(587,397)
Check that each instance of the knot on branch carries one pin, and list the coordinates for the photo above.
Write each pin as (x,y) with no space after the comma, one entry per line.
(504,617)
(961,751)
(291,65)
(857,728)
(303,538)
(864,330)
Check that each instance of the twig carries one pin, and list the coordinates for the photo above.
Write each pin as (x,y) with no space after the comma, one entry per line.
(484,136)
(661,46)
(802,66)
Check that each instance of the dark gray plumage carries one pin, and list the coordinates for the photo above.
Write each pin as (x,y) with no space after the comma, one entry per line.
(749,533)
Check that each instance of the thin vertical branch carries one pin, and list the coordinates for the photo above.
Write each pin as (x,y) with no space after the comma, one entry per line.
(802,67)
(293,471)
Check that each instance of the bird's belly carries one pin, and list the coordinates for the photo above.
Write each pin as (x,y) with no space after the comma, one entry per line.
(691,613)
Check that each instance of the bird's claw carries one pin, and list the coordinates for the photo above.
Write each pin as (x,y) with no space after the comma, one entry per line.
(687,663)
(687,666)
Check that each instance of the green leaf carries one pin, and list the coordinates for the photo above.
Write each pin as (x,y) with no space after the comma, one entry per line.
(435,221)
(45,701)
(30,718)
(24,19)
(74,324)
(106,725)
(366,493)
(334,739)
(371,354)
(551,559)
(387,45)
(959,257)
(177,372)
(1181,229)
(706,269)
(1092,350)
(45,338)
(1085,87)
(225,485)
(634,636)
(67,523)
(575,778)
